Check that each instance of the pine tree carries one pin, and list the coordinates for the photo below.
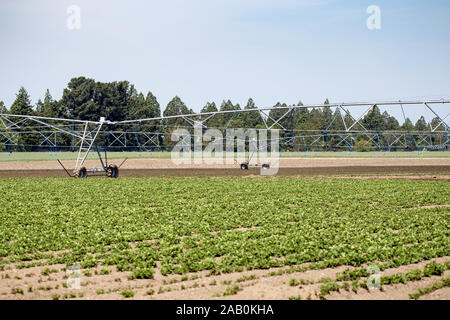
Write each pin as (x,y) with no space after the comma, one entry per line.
(79,99)
(327,115)
(252,119)
(154,109)
(49,107)
(421,124)
(22,104)
(175,107)
(153,105)
(408,125)
(140,107)
(227,119)
(3,108)
(213,122)
(374,120)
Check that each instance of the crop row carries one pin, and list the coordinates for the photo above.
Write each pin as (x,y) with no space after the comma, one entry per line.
(221,225)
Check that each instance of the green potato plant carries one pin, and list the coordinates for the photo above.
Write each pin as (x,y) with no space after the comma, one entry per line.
(222,225)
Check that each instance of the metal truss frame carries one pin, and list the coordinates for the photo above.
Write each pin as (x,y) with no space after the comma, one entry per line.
(86,137)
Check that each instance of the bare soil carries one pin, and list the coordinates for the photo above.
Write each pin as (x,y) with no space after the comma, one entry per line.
(283,163)
(254,285)
(413,173)
(363,168)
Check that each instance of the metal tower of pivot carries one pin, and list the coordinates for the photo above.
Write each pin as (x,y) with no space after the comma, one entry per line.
(87,139)
(85,135)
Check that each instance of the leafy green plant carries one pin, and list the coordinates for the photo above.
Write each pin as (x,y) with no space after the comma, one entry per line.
(246,278)
(433,269)
(232,290)
(127,293)
(228,230)
(293,282)
(141,274)
(327,288)
(414,275)
(47,271)
(105,271)
(87,273)
(17,291)
(445,282)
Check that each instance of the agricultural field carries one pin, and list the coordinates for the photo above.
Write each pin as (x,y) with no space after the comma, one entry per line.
(43,156)
(238,238)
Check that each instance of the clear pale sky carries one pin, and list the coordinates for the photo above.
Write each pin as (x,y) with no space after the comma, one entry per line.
(210,50)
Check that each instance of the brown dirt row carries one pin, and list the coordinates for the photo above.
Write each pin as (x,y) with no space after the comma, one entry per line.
(200,285)
(427,168)
(368,172)
(283,163)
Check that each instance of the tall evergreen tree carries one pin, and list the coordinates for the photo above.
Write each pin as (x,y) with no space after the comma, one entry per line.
(421,124)
(153,105)
(327,115)
(136,102)
(49,107)
(86,99)
(436,124)
(215,121)
(175,107)
(78,99)
(390,122)
(408,125)
(252,119)
(3,108)
(38,109)
(373,120)
(22,104)
(229,119)
(140,107)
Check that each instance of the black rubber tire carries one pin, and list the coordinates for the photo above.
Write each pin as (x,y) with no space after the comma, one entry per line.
(82,173)
(112,171)
(244,166)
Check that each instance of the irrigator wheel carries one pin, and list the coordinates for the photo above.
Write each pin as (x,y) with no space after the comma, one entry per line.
(244,166)
(81,173)
(113,171)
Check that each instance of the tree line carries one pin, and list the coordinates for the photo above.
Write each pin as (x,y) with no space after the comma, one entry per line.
(87,99)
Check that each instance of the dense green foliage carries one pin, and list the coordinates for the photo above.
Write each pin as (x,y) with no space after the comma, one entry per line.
(87,99)
(222,225)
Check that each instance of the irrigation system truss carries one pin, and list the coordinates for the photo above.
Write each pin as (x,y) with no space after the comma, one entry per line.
(147,134)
